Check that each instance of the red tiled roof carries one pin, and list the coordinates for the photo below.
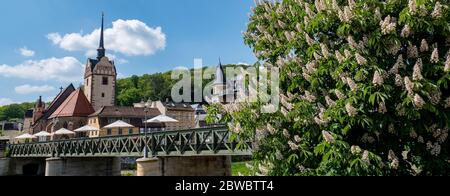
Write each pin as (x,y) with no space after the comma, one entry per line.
(76,105)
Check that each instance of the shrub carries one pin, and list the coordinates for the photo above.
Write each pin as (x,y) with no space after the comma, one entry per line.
(364,87)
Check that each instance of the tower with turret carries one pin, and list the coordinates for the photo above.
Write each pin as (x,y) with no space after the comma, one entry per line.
(100,77)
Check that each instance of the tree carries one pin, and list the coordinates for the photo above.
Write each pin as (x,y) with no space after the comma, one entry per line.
(365,88)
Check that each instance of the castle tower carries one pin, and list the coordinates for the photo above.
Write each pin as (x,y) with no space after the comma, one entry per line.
(39,109)
(100,78)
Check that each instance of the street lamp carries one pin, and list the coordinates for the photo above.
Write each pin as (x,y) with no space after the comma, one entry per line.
(145,132)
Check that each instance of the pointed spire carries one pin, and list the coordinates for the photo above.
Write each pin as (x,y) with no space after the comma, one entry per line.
(101,49)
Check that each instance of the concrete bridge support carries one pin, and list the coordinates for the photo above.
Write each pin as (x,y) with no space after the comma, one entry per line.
(22,167)
(185,166)
(83,167)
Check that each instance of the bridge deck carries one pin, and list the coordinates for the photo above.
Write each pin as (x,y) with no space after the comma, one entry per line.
(194,142)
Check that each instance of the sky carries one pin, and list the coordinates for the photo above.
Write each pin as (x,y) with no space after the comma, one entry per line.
(44,44)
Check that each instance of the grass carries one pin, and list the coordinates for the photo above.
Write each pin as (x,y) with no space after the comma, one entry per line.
(238,168)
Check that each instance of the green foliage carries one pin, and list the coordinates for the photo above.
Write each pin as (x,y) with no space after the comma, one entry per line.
(240,168)
(156,86)
(365,88)
(14,111)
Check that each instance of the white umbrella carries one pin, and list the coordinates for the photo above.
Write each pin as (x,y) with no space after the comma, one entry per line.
(42,134)
(64,131)
(87,128)
(119,124)
(162,119)
(26,136)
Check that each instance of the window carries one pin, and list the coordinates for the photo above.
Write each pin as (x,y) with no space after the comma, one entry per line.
(109,132)
(120,131)
(105,81)
(87,82)
(103,94)
(130,131)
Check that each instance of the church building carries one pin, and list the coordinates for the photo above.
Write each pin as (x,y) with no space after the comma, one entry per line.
(72,107)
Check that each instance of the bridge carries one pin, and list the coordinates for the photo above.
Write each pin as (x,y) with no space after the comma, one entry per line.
(171,151)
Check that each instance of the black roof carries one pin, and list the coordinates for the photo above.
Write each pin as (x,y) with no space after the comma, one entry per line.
(29,113)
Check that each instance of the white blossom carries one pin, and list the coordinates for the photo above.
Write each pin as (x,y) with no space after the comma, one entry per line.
(360,59)
(330,101)
(293,146)
(437,12)
(286,133)
(435,56)
(447,64)
(394,164)
(309,97)
(417,70)
(420,139)
(328,137)
(356,150)
(339,57)
(412,7)
(412,51)
(325,51)
(424,46)
(308,11)
(409,86)
(406,31)
(377,79)
(351,111)
(297,138)
(388,25)
(398,80)
(365,157)
(353,86)
(418,101)
(281,24)
(347,54)
(279,155)
(271,129)
(352,42)
(298,27)
(382,108)
(341,96)
(309,40)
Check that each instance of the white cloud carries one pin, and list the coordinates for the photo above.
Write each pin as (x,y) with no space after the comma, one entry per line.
(129,37)
(5,101)
(28,89)
(243,63)
(67,69)
(26,52)
(117,59)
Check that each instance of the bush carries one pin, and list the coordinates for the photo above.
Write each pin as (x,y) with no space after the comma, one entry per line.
(365,87)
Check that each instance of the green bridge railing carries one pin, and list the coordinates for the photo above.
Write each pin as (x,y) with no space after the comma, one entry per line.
(194,142)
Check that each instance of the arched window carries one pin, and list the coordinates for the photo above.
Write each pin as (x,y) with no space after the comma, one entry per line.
(65,125)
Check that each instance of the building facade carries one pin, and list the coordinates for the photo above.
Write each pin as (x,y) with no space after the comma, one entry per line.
(183,113)
(131,115)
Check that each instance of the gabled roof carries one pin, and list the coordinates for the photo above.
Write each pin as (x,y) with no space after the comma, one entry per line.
(178,106)
(76,105)
(60,98)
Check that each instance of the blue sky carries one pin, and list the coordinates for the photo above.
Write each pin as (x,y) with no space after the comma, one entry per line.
(51,39)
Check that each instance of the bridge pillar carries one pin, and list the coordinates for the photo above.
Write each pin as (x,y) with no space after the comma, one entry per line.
(83,167)
(185,166)
(148,167)
(5,166)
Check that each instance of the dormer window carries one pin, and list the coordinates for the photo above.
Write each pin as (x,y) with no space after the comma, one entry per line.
(105,81)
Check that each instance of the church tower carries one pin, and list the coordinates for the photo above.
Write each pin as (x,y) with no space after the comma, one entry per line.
(100,78)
